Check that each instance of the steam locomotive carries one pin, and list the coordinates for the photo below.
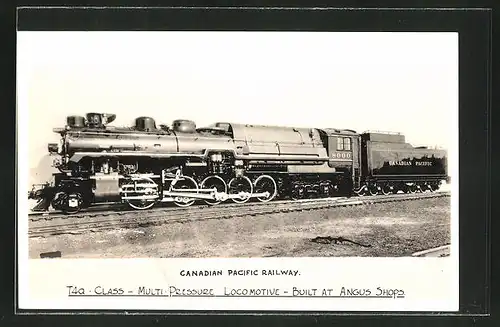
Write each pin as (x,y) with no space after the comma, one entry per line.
(146,164)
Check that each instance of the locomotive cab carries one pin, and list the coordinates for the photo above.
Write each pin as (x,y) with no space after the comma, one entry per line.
(344,152)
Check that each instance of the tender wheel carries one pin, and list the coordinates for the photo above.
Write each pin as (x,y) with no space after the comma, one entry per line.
(434,187)
(147,188)
(265,183)
(411,188)
(387,189)
(361,191)
(396,188)
(186,183)
(373,189)
(240,185)
(216,182)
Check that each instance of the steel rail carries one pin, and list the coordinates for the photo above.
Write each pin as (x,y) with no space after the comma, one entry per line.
(95,212)
(118,208)
(190,214)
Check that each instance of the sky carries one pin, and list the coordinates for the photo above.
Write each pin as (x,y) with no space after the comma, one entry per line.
(401,82)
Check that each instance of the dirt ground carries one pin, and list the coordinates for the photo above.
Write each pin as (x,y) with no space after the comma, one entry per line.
(390,229)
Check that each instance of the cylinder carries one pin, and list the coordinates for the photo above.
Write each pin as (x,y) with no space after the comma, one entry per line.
(184,126)
(75,121)
(145,124)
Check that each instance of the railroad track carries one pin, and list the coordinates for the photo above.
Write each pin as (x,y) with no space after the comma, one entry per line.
(441,251)
(127,219)
(117,208)
(98,212)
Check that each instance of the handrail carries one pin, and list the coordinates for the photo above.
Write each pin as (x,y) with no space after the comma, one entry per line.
(382,132)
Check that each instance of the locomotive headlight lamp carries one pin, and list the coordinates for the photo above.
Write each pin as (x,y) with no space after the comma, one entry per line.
(238,162)
(53,147)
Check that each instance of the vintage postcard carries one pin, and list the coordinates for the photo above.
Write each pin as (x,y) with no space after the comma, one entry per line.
(248,171)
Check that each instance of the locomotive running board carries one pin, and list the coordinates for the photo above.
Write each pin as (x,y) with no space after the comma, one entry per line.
(168,196)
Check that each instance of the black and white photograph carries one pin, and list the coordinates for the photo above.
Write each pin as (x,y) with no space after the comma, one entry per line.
(228,169)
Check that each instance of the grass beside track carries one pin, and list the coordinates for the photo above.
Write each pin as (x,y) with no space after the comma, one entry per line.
(392,229)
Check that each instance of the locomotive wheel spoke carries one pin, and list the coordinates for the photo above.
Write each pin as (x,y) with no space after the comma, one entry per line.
(144,204)
(185,183)
(78,205)
(266,183)
(238,185)
(211,182)
(141,204)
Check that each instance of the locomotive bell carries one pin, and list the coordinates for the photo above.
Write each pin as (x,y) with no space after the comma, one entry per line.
(184,126)
(75,121)
(145,124)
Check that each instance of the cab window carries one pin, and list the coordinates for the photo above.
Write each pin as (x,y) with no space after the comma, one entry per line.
(340,143)
(344,143)
(347,143)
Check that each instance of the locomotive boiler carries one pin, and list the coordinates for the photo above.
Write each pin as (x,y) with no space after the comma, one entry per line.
(145,164)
